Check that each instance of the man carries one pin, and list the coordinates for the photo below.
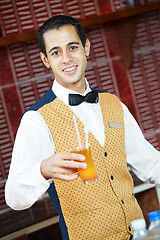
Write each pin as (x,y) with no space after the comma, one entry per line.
(41,160)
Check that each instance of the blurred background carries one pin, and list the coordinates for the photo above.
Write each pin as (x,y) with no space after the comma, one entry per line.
(124,60)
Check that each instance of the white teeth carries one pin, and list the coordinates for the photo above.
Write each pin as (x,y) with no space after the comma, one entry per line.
(69,69)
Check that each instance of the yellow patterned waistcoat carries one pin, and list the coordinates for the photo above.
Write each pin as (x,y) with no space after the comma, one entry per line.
(103,209)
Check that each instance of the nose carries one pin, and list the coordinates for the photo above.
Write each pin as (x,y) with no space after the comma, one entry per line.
(67,57)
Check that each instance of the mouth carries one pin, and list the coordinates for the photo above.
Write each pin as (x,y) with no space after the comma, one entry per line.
(70,70)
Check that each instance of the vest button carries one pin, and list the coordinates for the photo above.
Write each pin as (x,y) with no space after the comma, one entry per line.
(105,154)
(122,201)
(112,177)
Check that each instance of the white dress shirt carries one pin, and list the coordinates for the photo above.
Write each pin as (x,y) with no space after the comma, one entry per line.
(34,143)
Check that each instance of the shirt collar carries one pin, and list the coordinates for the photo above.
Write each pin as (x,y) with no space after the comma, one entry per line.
(62,92)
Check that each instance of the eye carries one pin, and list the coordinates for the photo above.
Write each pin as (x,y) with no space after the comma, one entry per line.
(72,48)
(56,53)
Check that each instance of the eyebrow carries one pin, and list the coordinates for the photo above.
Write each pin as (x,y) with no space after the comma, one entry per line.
(68,44)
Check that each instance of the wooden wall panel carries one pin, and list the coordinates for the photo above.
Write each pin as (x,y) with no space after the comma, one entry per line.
(24,79)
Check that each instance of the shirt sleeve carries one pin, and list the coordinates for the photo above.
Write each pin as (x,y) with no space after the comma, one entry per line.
(33,143)
(142,157)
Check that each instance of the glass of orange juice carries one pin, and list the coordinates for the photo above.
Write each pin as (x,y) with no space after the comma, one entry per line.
(90,172)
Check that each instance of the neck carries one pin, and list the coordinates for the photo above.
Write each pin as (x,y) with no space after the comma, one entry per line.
(79,87)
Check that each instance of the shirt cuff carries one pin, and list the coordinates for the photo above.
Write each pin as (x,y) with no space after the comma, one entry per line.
(41,184)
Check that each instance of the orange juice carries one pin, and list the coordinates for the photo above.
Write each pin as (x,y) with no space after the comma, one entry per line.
(90,172)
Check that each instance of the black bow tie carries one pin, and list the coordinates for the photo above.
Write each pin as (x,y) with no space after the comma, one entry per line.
(76,99)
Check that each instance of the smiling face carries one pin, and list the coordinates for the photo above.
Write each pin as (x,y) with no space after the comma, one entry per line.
(66,56)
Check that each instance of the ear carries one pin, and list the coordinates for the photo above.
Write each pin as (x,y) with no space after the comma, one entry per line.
(45,60)
(87,47)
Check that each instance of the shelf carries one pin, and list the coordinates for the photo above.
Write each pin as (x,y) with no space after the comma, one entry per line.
(143,187)
(122,14)
(106,18)
(33,228)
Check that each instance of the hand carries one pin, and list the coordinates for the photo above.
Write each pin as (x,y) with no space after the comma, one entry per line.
(60,165)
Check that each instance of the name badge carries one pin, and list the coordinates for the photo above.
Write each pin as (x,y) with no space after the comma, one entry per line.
(115,124)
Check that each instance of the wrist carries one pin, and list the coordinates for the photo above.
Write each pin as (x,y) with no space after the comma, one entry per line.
(42,170)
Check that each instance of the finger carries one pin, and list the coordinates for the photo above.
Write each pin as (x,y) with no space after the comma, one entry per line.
(65,177)
(71,156)
(63,170)
(73,164)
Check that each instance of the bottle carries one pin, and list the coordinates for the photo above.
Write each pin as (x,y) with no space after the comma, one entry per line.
(154,218)
(139,228)
(154,227)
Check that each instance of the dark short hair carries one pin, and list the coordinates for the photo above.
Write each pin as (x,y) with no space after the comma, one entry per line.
(56,22)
